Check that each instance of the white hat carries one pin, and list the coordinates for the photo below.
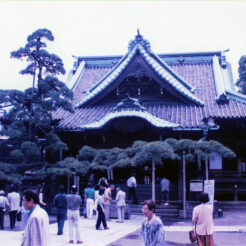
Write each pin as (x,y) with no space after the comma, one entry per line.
(2,192)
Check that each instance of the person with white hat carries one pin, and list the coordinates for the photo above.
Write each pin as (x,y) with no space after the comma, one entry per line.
(4,203)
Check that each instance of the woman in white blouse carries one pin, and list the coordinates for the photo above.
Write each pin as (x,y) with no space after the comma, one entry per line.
(202,220)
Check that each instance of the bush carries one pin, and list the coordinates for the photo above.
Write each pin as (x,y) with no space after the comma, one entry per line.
(17,154)
(31,152)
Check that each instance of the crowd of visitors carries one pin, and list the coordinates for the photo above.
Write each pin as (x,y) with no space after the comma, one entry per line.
(98,199)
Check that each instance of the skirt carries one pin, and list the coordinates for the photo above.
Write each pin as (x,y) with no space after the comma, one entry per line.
(205,240)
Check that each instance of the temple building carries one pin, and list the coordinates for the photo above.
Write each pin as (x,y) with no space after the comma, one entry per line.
(146,96)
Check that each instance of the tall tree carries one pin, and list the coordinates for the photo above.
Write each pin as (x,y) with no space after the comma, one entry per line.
(241,83)
(35,105)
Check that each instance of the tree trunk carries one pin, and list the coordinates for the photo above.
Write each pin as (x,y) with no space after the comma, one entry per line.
(153,179)
(60,154)
(184,187)
(31,114)
(68,184)
(239,167)
(206,163)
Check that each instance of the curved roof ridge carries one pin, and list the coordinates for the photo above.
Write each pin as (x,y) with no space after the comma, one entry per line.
(153,120)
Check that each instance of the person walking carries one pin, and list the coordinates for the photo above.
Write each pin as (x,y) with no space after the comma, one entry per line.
(14,205)
(152,231)
(132,185)
(4,203)
(39,191)
(120,203)
(60,202)
(73,205)
(103,183)
(100,210)
(202,221)
(107,201)
(37,229)
(165,185)
(91,179)
(24,217)
(89,196)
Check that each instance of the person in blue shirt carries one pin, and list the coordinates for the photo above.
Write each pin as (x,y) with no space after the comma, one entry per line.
(152,231)
(89,196)
(61,206)
(100,209)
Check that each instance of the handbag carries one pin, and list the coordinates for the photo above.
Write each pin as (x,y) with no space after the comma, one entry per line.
(192,235)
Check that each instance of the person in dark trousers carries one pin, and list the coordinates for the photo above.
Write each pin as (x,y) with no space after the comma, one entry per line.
(101,215)
(3,205)
(61,206)
(14,205)
(132,185)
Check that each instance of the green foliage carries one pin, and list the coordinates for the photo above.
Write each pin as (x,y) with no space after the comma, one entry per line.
(69,167)
(87,153)
(205,150)
(14,178)
(8,173)
(17,154)
(241,83)
(31,151)
(154,151)
(53,147)
(38,58)
(31,111)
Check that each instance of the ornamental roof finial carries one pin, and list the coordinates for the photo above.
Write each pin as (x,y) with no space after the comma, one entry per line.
(139,40)
(138,32)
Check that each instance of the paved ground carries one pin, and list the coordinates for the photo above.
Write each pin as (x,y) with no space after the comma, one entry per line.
(127,234)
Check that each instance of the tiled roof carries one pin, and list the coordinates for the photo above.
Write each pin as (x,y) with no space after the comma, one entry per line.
(161,68)
(202,71)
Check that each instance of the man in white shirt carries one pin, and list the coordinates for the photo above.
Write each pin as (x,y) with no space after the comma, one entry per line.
(120,203)
(165,184)
(3,205)
(107,201)
(14,205)
(132,185)
(37,228)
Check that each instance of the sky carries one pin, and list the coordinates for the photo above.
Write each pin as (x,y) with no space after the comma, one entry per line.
(95,28)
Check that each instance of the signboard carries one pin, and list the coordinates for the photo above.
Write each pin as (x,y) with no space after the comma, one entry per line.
(216,161)
(196,185)
(209,188)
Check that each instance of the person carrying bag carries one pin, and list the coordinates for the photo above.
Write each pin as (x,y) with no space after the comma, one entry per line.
(203,219)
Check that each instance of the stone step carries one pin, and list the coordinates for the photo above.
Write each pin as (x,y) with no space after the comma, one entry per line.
(171,211)
(233,206)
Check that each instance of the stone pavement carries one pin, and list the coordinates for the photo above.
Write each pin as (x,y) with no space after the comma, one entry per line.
(232,222)
(89,235)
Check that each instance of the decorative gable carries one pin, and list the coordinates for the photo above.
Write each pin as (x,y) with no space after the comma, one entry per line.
(148,65)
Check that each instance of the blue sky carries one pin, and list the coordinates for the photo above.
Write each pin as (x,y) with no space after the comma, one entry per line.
(89,28)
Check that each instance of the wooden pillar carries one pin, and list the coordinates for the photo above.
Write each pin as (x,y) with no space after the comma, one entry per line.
(239,166)
(153,180)
(184,187)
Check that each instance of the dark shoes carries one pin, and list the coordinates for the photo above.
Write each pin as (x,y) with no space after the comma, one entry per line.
(79,242)
(118,221)
(71,241)
(99,229)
